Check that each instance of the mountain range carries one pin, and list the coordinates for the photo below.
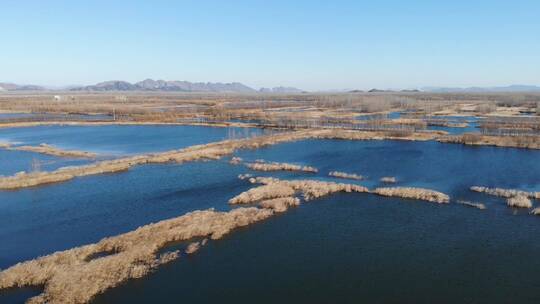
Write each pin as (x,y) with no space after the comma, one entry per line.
(16,87)
(168,86)
(237,87)
(156,85)
(509,89)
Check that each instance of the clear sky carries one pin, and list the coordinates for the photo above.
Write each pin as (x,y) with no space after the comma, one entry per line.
(313,45)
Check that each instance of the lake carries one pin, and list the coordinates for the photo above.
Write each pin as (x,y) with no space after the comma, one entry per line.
(342,248)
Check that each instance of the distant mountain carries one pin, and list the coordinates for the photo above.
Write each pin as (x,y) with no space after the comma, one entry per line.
(171,86)
(17,87)
(510,89)
(379,91)
(113,85)
(280,90)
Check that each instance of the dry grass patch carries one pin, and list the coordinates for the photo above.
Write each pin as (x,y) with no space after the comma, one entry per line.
(388,180)
(280,204)
(506,193)
(68,277)
(414,193)
(345,175)
(310,189)
(274,166)
(520,201)
(480,206)
(50,150)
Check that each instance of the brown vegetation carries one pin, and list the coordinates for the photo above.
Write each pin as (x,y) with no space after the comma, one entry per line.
(506,193)
(388,180)
(310,189)
(270,191)
(72,276)
(280,204)
(414,193)
(480,206)
(521,201)
(345,175)
(50,150)
(235,161)
(274,166)
(477,139)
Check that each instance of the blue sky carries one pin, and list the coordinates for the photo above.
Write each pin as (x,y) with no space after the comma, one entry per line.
(314,45)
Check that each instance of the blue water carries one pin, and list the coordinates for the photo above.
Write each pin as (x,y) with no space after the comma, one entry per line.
(344,248)
(472,121)
(121,140)
(12,162)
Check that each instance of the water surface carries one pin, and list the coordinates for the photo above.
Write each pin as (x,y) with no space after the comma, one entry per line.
(343,248)
(121,140)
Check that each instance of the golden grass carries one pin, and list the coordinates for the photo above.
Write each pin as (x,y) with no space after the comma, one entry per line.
(506,193)
(414,193)
(520,201)
(280,204)
(270,191)
(50,150)
(388,180)
(235,161)
(524,142)
(72,276)
(345,175)
(310,189)
(274,166)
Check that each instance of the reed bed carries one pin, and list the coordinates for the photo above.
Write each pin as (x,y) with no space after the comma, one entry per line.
(345,175)
(388,180)
(235,161)
(72,276)
(54,151)
(414,193)
(265,192)
(480,206)
(520,201)
(195,246)
(477,139)
(506,193)
(280,204)
(275,166)
(310,189)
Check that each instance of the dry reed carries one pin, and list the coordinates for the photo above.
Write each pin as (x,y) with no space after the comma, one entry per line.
(388,180)
(280,204)
(414,193)
(50,150)
(274,166)
(506,193)
(520,201)
(345,175)
(480,206)
(73,276)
